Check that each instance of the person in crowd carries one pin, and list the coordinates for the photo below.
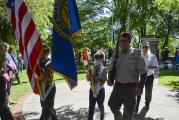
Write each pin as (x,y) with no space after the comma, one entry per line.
(85,58)
(151,64)
(176,52)
(11,70)
(110,53)
(126,66)
(76,57)
(48,87)
(89,54)
(177,60)
(165,55)
(79,56)
(97,76)
(92,54)
(5,113)
(11,53)
(158,54)
(20,62)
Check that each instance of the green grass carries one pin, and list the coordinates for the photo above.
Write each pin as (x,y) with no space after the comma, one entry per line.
(169,78)
(18,91)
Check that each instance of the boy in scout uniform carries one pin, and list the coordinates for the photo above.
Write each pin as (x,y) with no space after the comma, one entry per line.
(48,87)
(5,113)
(128,65)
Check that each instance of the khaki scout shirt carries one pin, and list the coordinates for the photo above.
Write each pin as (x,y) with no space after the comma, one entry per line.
(128,66)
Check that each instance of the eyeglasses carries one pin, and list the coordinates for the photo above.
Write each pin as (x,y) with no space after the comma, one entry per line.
(145,46)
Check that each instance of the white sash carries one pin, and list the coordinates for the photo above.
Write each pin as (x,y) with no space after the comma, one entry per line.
(46,93)
(98,85)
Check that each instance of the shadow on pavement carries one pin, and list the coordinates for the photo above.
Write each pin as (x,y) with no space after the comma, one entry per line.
(176,95)
(142,116)
(67,113)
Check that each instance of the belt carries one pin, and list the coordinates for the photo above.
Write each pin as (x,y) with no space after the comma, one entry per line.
(125,84)
(151,75)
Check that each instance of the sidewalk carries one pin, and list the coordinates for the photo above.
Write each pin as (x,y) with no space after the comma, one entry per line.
(73,105)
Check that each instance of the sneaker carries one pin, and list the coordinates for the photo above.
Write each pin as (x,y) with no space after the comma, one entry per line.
(147,107)
(136,111)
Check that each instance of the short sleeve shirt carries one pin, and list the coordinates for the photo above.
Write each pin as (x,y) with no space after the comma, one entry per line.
(129,66)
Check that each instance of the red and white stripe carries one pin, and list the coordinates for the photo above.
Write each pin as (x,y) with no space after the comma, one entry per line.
(29,41)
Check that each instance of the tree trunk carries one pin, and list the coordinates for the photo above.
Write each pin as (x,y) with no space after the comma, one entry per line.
(165,44)
(169,27)
(123,26)
(143,31)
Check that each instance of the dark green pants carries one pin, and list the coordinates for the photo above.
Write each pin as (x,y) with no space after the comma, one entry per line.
(48,111)
(123,94)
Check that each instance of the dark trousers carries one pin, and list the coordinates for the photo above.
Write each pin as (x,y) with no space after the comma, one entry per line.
(148,91)
(5,113)
(92,102)
(18,77)
(9,85)
(123,94)
(48,111)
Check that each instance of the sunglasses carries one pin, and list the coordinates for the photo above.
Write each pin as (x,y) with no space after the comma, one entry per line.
(145,47)
(99,57)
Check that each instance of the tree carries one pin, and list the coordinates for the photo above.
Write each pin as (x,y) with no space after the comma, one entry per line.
(6,32)
(141,12)
(121,13)
(166,21)
(96,27)
(41,10)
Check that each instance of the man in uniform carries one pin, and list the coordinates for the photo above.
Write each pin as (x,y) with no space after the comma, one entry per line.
(128,66)
(5,113)
(48,87)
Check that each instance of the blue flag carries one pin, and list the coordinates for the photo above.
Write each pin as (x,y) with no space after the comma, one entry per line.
(66,24)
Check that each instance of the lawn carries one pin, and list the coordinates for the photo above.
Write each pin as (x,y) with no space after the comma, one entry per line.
(18,91)
(169,78)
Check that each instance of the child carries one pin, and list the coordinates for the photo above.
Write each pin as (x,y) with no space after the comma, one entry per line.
(97,77)
(48,87)
(5,113)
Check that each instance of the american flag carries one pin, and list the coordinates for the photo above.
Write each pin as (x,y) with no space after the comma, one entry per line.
(28,38)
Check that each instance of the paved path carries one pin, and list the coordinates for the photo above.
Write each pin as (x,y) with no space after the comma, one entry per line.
(73,105)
